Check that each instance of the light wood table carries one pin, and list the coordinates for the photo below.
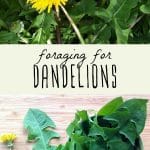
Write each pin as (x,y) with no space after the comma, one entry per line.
(60,108)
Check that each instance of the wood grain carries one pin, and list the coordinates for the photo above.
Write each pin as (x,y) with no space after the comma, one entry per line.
(61,108)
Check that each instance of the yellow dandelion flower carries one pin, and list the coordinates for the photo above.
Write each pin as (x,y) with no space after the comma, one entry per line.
(41,5)
(7,138)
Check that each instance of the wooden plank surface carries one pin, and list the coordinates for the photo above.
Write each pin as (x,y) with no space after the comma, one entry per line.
(61,108)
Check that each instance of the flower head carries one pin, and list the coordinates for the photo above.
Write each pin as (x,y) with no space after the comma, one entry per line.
(41,5)
(7,137)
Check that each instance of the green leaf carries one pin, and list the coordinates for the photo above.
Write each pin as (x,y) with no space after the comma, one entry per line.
(122,34)
(103,13)
(116,144)
(138,111)
(43,142)
(83,115)
(121,9)
(84,7)
(129,131)
(80,138)
(121,116)
(38,21)
(74,124)
(43,22)
(97,145)
(96,130)
(8,37)
(145,8)
(68,146)
(116,127)
(37,123)
(3,24)
(39,37)
(110,107)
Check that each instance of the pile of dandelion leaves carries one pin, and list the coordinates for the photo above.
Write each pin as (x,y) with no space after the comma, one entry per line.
(75,21)
(118,124)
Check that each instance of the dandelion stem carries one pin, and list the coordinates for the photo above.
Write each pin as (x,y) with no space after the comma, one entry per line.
(58,33)
(73,25)
(134,23)
(10,147)
(98,33)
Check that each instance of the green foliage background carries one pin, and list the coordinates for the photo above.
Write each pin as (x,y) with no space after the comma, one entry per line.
(99,21)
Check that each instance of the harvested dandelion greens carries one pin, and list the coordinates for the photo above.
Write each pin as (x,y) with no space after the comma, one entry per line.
(117,125)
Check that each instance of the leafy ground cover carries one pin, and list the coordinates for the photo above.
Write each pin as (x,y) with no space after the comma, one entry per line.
(79,21)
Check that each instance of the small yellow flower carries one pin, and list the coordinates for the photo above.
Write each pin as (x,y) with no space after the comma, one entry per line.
(7,138)
(41,5)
